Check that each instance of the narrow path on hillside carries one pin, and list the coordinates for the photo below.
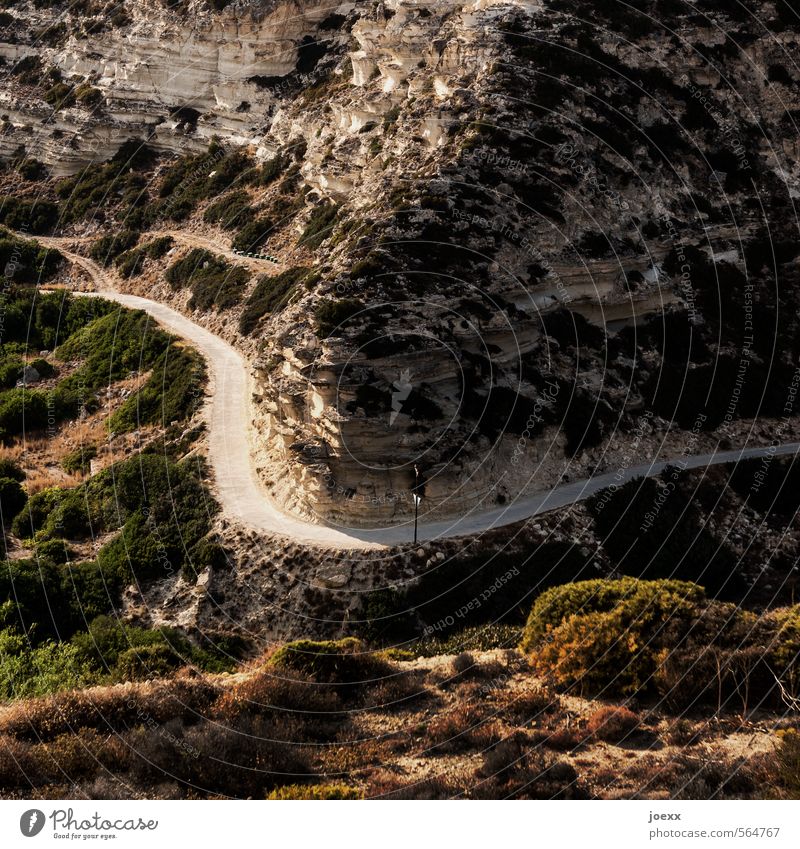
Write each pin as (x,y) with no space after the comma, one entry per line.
(243,498)
(191,240)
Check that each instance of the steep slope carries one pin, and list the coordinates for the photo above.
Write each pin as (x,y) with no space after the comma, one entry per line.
(514,236)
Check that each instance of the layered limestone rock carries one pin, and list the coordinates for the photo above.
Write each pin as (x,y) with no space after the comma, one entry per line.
(176,78)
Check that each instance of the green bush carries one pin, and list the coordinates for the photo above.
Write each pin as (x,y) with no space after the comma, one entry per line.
(34,216)
(159,247)
(21,409)
(214,283)
(36,319)
(60,96)
(162,507)
(330,315)
(37,509)
(106,249)
(79,460)
(110,347)
(164,512)
(154,661)
(319,226)
(207,554)
(27,672)
(602,595)
(253,235)
(25,262)
(346,661)
(623,638)
(27,589)
(56,550)
(45,369)
(139,551)
(124,652)
(271,295)
(10,469)
(117,188)
(271,169)
(69,518)
(196,177)
(32,169)
(229,210)
(12,499)
(87,95)
(10,371)
(130,263)
(173,392)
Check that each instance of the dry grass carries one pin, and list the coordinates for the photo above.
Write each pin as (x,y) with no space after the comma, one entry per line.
(40,454)
(39,480)
(106,708)
(240,735)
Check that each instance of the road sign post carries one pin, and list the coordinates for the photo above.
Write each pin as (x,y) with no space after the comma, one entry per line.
(415,496)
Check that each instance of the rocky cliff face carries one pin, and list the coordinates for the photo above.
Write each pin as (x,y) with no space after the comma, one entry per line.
(177,74)
(522,225)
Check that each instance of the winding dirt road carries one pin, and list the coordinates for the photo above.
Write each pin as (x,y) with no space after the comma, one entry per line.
(191,240)
(243,498)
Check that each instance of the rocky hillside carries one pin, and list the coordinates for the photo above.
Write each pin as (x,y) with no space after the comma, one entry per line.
(512,237)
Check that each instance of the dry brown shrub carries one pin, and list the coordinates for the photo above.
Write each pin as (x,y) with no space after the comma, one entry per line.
(385,785)
(210,759)
(508,755)
(401,691)
(462,663)
(523,707)
(684,732)
(86,752)
(19,766)
(516,768)
(464,666)
(646,767)
(106,708)
(37,481)
(344,760)
(275,690)
(564,739)
(464,726)
(612,724)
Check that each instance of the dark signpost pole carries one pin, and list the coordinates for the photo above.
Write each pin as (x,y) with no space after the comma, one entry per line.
(416,501)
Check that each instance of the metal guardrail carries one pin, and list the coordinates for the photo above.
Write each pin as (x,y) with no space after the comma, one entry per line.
(267,257)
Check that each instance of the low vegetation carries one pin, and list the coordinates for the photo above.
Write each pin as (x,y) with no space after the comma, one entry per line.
(172,393)
(271,294)
(320,225)
(213,282)
(197,177)
(25,262)
(107,248)
(664,638)
(131,262)
(331,316)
